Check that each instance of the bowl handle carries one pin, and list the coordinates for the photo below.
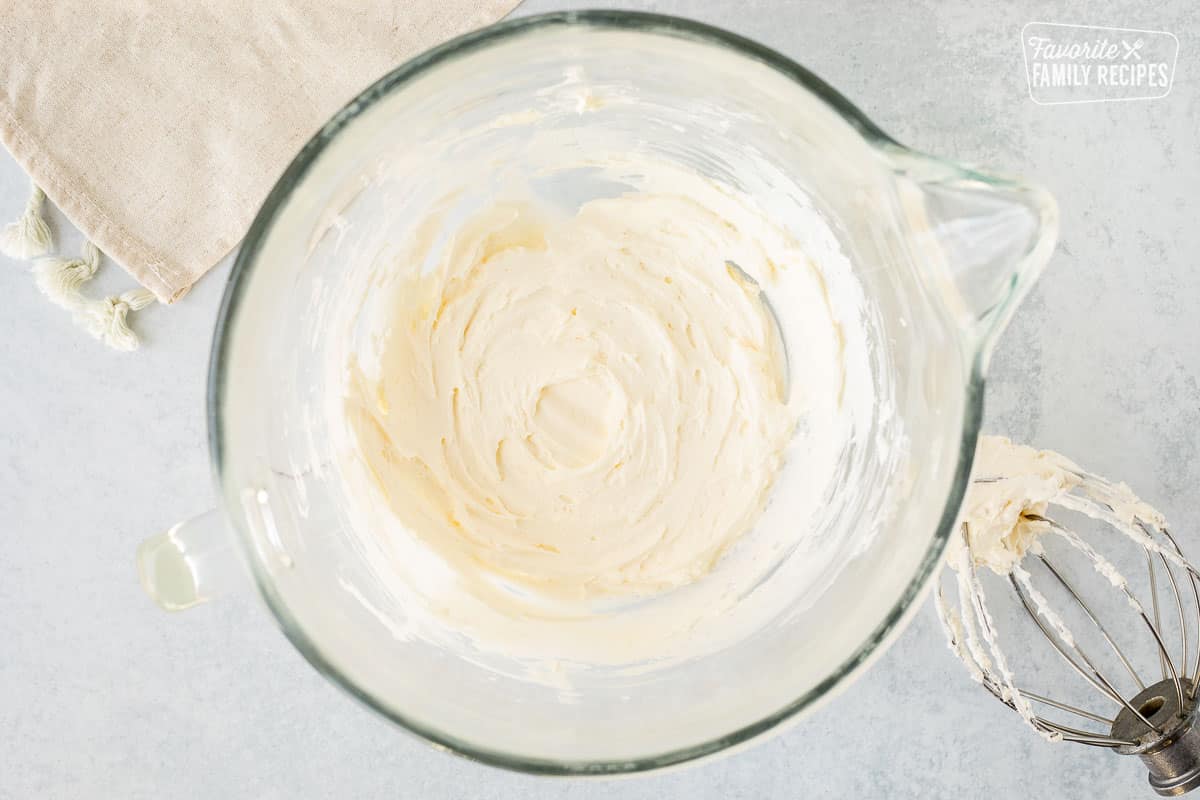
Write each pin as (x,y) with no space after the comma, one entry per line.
(189,564)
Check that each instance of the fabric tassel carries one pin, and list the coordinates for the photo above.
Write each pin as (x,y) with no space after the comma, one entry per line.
(60,279)
(28,237)
(108,319)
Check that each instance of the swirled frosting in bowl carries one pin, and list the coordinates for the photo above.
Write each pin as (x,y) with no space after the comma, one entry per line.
(591,407)
(566,426)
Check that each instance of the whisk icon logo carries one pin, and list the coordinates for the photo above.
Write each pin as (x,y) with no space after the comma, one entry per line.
(1089,64)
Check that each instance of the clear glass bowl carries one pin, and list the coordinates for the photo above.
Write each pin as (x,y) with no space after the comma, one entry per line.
(942,255)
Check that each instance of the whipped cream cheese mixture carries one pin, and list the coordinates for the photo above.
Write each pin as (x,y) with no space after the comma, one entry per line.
(1009,482)
(1012,488)
(564,420)
(594,407)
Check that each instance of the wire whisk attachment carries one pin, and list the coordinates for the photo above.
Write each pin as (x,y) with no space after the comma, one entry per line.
(1019,548)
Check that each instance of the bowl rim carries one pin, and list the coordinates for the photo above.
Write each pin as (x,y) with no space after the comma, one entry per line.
(657,24)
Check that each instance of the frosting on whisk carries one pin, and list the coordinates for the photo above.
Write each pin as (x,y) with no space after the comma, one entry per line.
(1004,518)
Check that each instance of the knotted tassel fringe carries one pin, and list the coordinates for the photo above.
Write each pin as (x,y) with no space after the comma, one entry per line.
(108,321)
(60,278)
(29,236)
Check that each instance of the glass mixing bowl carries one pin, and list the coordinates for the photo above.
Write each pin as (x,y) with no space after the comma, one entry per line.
(942,254)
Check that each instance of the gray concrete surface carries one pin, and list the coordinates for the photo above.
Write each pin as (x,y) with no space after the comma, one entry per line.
(101,695)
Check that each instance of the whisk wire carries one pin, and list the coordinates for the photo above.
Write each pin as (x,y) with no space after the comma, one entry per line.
(1162,661)
(1084,737)
(1066,732)
(1105,568)
(1090,615)
(1092,675)
(1195,596)
(1066,707)
(1182,616)
(989,635)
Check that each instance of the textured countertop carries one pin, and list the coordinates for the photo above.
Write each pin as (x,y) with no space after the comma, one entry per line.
(102,695)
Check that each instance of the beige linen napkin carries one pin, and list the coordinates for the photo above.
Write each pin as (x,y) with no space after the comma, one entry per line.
(158,126)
